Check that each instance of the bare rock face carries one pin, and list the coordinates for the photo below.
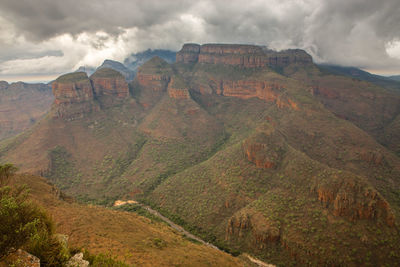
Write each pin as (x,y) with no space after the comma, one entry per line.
(248,223)
(265,149)
(248,56)
(76,94)
(188,54)
(73,95)
(154,75)
(155,82)
(152,81)
(178,89)
(355,200)
(110,82)
(269,92)
(72,88)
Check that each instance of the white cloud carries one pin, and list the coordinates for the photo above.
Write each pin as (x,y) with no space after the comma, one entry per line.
(49,36)
(393,49)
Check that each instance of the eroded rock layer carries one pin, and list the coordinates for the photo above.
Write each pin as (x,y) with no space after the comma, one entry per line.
(248,56)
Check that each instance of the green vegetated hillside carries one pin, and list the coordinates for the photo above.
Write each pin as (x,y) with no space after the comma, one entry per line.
(292,164)
(113,237)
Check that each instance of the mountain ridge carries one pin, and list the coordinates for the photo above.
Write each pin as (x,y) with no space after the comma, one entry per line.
(253,157)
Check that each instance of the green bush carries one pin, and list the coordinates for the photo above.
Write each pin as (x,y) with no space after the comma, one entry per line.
(18,219)
(25,225)
(6,171)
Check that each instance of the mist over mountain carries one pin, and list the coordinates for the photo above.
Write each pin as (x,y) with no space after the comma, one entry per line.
(253,133)
(257,151)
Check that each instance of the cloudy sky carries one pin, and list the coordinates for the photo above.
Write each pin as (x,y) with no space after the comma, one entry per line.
(39,39)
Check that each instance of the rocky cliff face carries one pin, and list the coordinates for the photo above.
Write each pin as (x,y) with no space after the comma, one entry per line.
(347,197)
(154,75)
(248,223)
(72,88)
(248,56)
(109,82)
(264,149)
(178,89)
(269,92)
(155,82)
(74,96)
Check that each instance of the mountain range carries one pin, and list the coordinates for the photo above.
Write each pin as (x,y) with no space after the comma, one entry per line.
(254,150)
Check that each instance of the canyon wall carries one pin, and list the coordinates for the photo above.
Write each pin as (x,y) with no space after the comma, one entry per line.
(248,56)
(76,94)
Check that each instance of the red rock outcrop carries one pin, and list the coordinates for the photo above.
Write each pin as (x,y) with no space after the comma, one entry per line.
(188,54)
(73,95)
(244,223)
(264,149)
(109,82)
(178,93)
(155,82)
(248,56)
(154,75)
(177,89)
(351,198)
(72,88)
(258,154)
(111,86)
(269,92)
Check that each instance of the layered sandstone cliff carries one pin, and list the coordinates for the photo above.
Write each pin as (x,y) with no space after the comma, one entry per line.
(248,56)
(264,149)
(72,88)
(74,96)
(251,227)
(348,197)
(77,94)
(107,81)
(154,74)
(178,89)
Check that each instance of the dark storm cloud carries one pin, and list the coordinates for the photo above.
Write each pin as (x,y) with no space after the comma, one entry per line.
(43,19)
(346,32)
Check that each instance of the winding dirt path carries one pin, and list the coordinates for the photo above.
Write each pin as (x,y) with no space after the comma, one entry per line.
(189,235)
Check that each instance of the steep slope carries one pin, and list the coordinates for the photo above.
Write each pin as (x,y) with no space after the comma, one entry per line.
(263,195)
(240,144)
(130,237)
(21,105)
(370,107)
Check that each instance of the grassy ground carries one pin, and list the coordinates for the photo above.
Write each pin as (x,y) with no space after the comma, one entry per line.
(135,239)
(189,158)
